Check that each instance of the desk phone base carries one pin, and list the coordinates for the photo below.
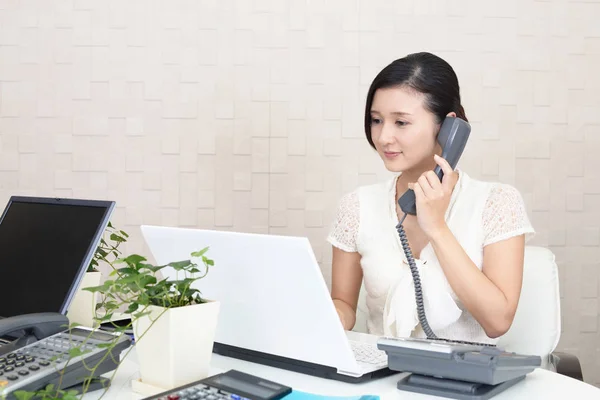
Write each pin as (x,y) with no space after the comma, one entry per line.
(49,361)
(453,369)
(452,389)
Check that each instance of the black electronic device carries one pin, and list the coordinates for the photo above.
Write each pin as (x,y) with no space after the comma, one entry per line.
(49,361)
(230,385)
(452,137)
(451,369)
(46,245)
(33,326)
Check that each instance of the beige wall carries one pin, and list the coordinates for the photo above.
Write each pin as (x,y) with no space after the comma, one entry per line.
(247,115)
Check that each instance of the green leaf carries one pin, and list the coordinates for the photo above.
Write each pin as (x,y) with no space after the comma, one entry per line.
(134,259)
(23,395)
(95,289)
(146,280)
(76,352)
(152,267)
(132,308)
(127,270)
(107,317)
(68,396)
(200,253)
(179,265)
(116,238)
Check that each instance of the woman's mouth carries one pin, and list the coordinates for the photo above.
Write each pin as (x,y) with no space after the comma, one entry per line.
(391,154)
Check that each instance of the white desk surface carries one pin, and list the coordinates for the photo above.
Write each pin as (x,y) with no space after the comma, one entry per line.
(540,384)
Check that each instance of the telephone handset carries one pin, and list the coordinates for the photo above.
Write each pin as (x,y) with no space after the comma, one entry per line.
(452,137)
(29,328)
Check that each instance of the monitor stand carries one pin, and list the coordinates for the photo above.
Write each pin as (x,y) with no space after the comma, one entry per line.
(453,389)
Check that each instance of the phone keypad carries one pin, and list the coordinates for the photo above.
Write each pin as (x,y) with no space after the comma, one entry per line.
(36,358)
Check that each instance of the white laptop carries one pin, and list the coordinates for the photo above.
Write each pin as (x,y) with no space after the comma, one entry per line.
(275,306)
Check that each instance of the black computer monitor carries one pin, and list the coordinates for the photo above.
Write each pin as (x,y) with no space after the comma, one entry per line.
(46,245)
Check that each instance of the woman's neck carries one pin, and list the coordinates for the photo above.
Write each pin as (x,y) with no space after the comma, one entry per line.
(411,176)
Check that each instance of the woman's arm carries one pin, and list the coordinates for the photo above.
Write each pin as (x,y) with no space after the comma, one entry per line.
(346,278)
(490,295)
(346,271)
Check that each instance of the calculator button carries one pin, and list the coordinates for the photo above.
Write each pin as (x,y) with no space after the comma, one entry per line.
(10,362)
(29,359)
(34,367)
(23,372)
(20,357)
(8,369)
(12,377)
(2,360)
(2,366)
(19,364)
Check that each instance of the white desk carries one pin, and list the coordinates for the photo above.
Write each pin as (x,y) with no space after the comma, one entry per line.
(541,384)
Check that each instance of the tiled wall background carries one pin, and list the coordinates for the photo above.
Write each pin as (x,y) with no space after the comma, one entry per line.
(247,115)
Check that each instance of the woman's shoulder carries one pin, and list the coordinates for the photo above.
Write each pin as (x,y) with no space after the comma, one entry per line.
(504,209)
(347,220)
(491,191)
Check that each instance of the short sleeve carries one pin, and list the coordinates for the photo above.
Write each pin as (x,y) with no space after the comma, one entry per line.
(505,216)
(344,229)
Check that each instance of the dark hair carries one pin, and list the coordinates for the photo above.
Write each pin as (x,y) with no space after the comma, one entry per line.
(425,73)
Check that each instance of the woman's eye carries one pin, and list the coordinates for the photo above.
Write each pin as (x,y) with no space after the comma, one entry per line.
(401,123)
(375,120)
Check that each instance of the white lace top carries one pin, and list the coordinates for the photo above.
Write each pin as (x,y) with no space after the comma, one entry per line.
(479,213)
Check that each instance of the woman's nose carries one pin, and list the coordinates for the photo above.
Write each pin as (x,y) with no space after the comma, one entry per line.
(387,134)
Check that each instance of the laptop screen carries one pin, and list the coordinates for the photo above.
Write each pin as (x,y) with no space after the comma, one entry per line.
(45,248)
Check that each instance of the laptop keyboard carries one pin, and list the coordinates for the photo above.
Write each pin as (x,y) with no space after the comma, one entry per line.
(368,353)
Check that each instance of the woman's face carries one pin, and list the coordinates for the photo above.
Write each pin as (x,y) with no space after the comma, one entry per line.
(403,130)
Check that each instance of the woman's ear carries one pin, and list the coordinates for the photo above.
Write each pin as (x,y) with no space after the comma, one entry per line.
(451,114)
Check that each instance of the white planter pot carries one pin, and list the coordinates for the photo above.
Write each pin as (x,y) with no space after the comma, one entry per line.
(177,348)
(83,305)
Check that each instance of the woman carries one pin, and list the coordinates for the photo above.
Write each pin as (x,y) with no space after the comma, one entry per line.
(468,236)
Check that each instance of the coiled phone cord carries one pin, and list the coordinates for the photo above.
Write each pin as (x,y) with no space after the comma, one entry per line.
(416,279)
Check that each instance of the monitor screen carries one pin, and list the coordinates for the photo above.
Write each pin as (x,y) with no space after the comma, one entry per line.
(45,248)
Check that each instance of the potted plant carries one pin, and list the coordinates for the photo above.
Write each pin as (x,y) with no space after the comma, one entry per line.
(177,323)
(83,306)
(173,325)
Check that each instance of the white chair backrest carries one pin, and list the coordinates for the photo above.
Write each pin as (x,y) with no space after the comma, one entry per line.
(536,328)
(537,325)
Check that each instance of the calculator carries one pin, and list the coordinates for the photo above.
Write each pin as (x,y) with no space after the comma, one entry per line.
(230,385)
(41,363)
